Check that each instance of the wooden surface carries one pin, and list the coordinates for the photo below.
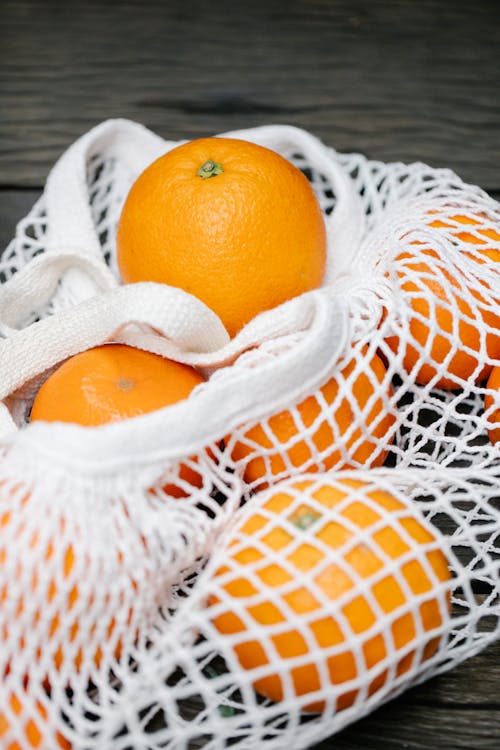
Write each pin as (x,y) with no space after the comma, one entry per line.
(395,80)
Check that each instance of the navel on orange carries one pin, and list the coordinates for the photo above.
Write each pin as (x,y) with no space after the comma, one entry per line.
(445,312)
(111,382)
(327,572)
(231,222)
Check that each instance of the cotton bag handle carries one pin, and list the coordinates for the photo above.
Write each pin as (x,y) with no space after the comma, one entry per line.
(184,321)
(150,316)
(69,211)
(187,426)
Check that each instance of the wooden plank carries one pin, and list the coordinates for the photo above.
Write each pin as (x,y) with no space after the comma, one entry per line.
(396,80)
(419,729)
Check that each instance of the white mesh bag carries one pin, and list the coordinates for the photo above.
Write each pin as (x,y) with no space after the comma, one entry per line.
(342,542)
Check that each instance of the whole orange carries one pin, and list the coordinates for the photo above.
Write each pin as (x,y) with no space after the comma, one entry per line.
(111,382)
(34,727)
(329,572)
(492,404)
(442,321)
(325,431)
(231,222)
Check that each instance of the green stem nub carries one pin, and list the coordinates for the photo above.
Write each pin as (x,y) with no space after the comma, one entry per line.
(209,169)
(305,519)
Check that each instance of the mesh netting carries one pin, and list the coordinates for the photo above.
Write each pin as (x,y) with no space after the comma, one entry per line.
(313,530)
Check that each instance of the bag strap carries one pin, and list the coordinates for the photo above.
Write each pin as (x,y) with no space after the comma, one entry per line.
(183,319)
(150,316)
(33,286)
(69,211)
(239,395)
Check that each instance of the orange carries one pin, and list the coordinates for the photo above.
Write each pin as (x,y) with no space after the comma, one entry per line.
(34,723)
(344,431)
(60,594)
(104,384)
(233,223)
(112,382)
(329,566)
(436,294)
(492,404)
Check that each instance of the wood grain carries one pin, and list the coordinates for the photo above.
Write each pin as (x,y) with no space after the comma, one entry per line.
(395,80)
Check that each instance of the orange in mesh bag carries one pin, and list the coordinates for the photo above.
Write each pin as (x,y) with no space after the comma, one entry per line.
(347,423)
(451,307)
(42,609)
(332,580)
(50,599)
(113,382)
(34,726)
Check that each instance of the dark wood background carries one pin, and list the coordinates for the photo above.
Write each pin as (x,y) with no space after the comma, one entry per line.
(397,80)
